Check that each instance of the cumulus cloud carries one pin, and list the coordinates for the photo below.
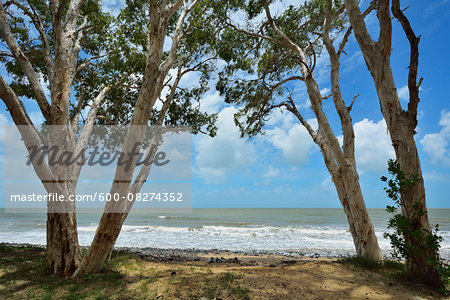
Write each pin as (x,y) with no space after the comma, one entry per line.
(295,143)
(289,136)
(436,144)
(211,102)
(373,147)
(403,93)
(225,152)
(282,119)
(325,92)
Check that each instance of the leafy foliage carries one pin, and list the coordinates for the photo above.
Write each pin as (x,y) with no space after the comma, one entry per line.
(124,67)
(407,239)
(262,72)
(113,53)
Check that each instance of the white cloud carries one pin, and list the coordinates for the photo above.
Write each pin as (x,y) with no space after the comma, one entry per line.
(113,6)
(295,143)
(290,137)
(211,102)
(373,146)
(225,152)
(281,118)
(403,93)
(271,172)
(325,92)
(436,144)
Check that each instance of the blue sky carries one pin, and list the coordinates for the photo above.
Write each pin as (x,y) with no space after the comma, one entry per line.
(284,168)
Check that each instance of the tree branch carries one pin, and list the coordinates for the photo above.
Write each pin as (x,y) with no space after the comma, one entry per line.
(353,101)
(29,135)
(88,61)
(37,22)
(33,78)
(414,40)
(88,127)
(286,41)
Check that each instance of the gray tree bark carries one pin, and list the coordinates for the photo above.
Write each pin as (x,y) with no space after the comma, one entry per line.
(400,123)
(340,162)
(63,252)
(155,74)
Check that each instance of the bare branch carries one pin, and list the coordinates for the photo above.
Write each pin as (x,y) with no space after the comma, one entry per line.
(195,68)
(108,120)
(72,15)
(293,109)
(363,37)
(77,46)
(350,29)
(414,40)
(328,96)
(254,34)
(353,101)
(174,7)
(177,36)
(420,82)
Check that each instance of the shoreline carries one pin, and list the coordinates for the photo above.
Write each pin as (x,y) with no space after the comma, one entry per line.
(195,254)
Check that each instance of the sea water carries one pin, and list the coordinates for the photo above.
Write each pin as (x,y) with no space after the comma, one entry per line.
(292,230)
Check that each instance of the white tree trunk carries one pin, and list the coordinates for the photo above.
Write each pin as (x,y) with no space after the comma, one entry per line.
(155,74)
(401,124)
(340,162)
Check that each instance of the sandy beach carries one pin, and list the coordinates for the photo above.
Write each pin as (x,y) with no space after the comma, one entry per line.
(168,274)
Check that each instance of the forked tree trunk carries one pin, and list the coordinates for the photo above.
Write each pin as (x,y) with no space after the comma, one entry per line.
(340,162)
(400,123)
(155,74)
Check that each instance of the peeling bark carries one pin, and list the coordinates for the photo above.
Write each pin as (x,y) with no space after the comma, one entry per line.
(155,74)
(63,252)
(340,162)
(400,123)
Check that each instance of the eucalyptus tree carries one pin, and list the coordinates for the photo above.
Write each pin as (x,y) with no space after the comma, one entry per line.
(400,122)
(147,26)
(117,69)
(278,52)
(42,42)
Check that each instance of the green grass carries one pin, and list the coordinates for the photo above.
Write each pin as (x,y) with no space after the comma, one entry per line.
(22,276)
(386,264)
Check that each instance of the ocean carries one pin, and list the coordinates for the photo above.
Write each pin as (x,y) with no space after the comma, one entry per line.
(303,231)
